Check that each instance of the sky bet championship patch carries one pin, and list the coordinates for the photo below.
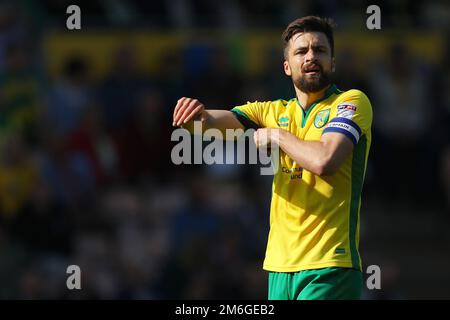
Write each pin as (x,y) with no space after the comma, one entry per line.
(346,110)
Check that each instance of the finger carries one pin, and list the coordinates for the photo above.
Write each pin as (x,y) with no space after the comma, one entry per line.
(181,108)
(177,108)
(193,113)
(189,110)
(186,111)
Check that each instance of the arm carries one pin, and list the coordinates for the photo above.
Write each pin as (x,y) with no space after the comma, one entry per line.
(322,157)
(188,109)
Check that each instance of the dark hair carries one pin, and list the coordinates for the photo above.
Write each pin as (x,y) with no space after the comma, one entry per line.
(310,24)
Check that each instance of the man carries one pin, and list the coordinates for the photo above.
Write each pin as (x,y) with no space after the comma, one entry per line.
(325,136)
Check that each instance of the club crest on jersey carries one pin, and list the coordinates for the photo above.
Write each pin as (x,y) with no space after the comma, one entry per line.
(346,110)
(283,121)
(322,118)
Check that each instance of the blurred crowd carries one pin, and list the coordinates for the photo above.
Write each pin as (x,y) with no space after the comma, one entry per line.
(86,176)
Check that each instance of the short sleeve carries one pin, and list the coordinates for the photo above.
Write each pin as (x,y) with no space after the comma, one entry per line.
(353,116)
(250,114)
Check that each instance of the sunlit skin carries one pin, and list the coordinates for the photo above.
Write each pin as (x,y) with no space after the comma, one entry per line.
(308,55)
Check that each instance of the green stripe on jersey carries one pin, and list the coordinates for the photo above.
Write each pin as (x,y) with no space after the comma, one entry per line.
(358,162)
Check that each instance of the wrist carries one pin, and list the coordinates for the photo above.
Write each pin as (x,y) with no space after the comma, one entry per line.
(279,135)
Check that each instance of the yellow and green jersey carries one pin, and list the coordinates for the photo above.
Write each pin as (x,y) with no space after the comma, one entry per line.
(314,220)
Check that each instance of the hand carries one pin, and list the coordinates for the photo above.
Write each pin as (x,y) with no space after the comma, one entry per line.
(263,137)
(188,109)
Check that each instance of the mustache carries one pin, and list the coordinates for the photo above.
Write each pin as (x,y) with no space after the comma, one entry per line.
(312,66)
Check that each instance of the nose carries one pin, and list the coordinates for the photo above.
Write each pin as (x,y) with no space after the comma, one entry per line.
(310,55)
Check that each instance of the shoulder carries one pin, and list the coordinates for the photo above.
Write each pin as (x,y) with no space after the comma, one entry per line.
(353,95)
(282,103)
(271,103)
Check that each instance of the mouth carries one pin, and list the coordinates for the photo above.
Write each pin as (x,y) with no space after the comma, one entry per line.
(312,73)
(312,70)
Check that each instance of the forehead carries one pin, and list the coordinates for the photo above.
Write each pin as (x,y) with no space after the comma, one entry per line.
(306,39)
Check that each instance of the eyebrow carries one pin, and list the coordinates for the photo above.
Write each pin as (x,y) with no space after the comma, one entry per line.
(315,47)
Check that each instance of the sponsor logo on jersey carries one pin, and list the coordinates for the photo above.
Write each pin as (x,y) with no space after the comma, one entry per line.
(295,172)
(346,110)
(283,121)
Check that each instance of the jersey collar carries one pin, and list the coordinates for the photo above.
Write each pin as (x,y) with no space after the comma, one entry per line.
(332,89)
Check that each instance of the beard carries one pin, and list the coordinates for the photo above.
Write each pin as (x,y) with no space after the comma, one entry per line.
(313,84)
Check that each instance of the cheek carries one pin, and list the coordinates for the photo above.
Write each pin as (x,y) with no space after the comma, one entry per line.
(296,65)
(327,64)
(298,61)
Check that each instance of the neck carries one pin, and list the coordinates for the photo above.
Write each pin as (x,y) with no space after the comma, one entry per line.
(306,100)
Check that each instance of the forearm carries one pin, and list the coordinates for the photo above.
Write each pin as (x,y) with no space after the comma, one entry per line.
(313,156)
(216,119)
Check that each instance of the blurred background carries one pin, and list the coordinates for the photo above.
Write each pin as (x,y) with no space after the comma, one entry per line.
(85,124)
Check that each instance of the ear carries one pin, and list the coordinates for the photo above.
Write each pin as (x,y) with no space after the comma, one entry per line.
(287,68)
(333,65)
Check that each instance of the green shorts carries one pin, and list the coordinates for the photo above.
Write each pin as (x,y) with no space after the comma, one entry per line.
(318,284)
